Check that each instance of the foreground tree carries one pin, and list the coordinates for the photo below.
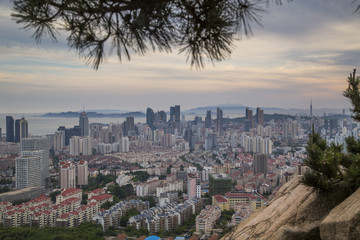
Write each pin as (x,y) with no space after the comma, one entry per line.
(202,29)
(330,166)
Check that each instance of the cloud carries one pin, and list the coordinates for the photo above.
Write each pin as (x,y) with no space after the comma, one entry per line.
(305,50)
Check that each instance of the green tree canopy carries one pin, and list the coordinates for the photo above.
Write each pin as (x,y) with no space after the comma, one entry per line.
(330,165)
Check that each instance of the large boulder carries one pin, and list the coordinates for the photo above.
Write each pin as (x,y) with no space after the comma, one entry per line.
(343,222)
(295,213)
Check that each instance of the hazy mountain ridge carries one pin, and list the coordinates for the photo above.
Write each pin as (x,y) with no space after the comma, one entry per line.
(71,114)
(239,109)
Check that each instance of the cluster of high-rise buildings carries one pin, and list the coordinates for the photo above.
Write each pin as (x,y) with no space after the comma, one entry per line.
(16,130)
(158,120)
(72,174)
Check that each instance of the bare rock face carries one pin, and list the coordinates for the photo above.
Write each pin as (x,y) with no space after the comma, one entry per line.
(295,213)
(343,222)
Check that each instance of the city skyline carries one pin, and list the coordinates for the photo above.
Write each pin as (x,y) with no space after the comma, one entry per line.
(288,61)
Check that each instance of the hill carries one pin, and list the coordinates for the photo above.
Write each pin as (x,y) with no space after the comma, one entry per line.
(300,212)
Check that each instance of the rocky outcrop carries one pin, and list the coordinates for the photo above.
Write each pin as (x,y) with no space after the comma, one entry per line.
(295,213)
(343,222)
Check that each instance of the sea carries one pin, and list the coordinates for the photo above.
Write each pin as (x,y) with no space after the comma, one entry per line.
(40,126)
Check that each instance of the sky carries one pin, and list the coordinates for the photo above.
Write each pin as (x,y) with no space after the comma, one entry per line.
(304,50)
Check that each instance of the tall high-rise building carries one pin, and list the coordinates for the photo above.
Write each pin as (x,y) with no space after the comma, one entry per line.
(175,118)
(311,113)
(162,115)
(150,118)
(67,175)
(10,129)
(34,144)
(219,184)
(28,171)
(125,144)
(260,163)
(177,113)
(248,113)
(75,146)
(17,130)
(219,120)
(59,141)
(193,186)
(208,119)
(24,133)
(129,126)
(84,124)
(260,116)
(82,173)
(249,121)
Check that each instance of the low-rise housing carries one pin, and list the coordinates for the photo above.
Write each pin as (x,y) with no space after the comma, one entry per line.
(207,218)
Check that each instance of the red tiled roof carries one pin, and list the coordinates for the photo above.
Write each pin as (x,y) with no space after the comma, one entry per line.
(101,197)
(220,199)
(214,237)
(194,237)
(70,191)
(41,198)
(64,215)
(121,236)
(97,191)
(249,195)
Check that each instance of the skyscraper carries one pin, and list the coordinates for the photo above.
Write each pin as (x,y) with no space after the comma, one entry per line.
(248,113)
(28,171)
(84,124)
(67,175)
(208,119)
(260,116)
(82,173)
(175,118)
(219,120)
(249,121)
(34,144)
(193,186)
(150,118)
(9,129)
(177,113)
(23,129)
(162,115)
(311,113)
(260,163)
(129,127)
(17,130)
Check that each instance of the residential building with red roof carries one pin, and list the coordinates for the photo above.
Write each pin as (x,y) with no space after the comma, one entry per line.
(101,199)
(68,193)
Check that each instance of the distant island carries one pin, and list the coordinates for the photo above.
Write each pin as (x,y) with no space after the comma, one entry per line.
(93,115)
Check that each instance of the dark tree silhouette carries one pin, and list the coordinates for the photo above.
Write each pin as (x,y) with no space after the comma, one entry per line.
(202,29)
(330,166)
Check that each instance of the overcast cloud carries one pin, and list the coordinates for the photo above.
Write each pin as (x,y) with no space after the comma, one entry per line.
(305,49)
